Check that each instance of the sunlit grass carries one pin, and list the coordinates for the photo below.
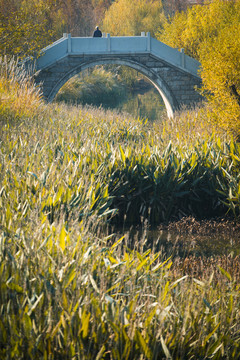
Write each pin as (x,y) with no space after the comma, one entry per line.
(19,96)
(69,290)
(66,293)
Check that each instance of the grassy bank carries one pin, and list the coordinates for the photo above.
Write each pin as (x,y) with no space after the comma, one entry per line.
(70,292)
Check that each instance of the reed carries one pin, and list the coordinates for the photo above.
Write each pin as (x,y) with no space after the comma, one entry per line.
(69,291)
(67,294)
(19,95)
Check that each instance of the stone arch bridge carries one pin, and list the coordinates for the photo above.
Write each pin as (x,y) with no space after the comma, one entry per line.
(174,74)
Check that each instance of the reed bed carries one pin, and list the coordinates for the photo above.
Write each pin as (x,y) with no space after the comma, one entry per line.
(106,164)
(19,96)
(67,294)
(71,291)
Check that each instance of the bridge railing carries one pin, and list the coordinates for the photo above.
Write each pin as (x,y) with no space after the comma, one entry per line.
(68,45)
(115,44)
(74,46)
(174,57)
(52,53)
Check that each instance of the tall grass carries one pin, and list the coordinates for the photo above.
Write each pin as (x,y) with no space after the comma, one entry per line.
(78,162)
(145,106)
(97,165)
(19,96)
(67,291)
(66,294)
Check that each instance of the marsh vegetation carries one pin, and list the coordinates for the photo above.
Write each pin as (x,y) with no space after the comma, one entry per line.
(73,289)
(118,88)
(82,275)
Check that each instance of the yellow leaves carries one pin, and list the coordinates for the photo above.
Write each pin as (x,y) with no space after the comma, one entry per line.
(142,263)
(211,334)
(26,26)
(225,273)
(85,318)
(69,277)
(64,239)
(166,264)
(118,242)
(123,157)
(143,344)
(210,33)
(130,17)
(14,287)
(64,300)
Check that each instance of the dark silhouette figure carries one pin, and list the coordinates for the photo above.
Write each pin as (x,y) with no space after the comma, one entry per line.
(97,32)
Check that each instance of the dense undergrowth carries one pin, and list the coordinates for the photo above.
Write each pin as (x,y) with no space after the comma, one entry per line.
(70,292)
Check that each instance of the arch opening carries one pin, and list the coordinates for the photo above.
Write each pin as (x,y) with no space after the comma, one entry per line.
(162,88)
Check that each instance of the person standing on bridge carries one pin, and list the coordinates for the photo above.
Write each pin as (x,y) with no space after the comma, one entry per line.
(97,32)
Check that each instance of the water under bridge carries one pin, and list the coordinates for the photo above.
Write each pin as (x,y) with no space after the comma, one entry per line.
(173,73)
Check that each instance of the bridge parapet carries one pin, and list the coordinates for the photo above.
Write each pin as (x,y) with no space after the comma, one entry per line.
(126,45)
(174,74)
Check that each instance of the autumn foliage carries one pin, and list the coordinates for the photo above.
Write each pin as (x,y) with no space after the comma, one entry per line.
(210,33)
(130,17)
(28,26)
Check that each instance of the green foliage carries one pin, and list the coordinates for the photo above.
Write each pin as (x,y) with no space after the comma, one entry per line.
(145,106)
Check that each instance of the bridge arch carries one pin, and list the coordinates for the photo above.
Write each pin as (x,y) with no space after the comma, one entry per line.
(161,86)
(174,74)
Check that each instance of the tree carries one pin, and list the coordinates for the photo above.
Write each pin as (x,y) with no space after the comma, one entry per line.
(188,29)
(24,27)
(171,7)
(221,75)
(28,26)
(131,17)
(210,33)
(99,9)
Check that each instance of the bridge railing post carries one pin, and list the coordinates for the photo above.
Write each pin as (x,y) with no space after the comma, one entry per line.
(148,41)
(182,58)
(69,43)
(108,42)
